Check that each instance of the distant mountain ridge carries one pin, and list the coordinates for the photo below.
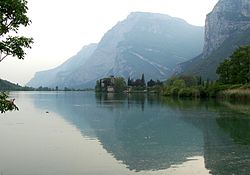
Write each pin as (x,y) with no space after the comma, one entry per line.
(147,43)
(227,27)
(56,76)
(7,86)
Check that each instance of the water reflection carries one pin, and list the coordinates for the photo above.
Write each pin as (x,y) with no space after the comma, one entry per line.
(113,100)
(240,107)
(153,133)
(237,128)
(144,136)
(226,133)
(227,148)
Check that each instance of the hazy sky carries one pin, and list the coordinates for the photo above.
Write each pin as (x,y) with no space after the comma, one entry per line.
(60,28)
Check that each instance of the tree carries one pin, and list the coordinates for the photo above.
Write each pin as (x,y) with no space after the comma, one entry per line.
(13,15)
(129,81)
(199,80)
(98,87)
(189,80)
(6,105)
(119,84)
(151,83)
(143,83)
(224,72)
(179,83)
(236,69)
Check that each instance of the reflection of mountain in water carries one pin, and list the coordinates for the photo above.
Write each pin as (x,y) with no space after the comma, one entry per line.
(148,133)
(226,137)
(144,138)
(72,106)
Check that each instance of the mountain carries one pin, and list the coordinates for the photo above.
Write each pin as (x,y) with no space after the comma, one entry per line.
(227,27)
(7,86)
(56,77)
(147,43)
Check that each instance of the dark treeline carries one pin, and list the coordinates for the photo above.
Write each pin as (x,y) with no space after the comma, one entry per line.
(8,86)
(141,82)
(138,82)
(118,85)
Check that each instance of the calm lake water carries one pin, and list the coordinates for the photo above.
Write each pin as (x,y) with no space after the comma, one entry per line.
(78,133)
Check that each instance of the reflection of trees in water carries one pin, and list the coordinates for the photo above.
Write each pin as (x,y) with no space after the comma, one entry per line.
(163,134)
(225,149)
(237,128)
(141,154)
(226,136)
(238,106)
(144,135)
(150,140)
(229,152)
(114,100)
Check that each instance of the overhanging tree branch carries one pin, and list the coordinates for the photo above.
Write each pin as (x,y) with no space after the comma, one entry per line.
(3,57)
(13,14)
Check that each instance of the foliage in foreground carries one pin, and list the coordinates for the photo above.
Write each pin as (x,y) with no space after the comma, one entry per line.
(13,15)
(6,104)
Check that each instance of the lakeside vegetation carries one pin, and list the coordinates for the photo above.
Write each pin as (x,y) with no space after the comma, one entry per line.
(183,87)
(233,82)
(241,93)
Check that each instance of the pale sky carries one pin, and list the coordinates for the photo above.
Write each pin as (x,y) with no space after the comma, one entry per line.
(60,28)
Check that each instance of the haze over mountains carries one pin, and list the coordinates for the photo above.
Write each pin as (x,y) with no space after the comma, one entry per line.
(57,76)
(158,46)
(147,43)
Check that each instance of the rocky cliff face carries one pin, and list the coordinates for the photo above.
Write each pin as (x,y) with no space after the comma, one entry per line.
(227,27)
(228,17)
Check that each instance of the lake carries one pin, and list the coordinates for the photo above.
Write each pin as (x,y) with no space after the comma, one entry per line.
(78,133)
